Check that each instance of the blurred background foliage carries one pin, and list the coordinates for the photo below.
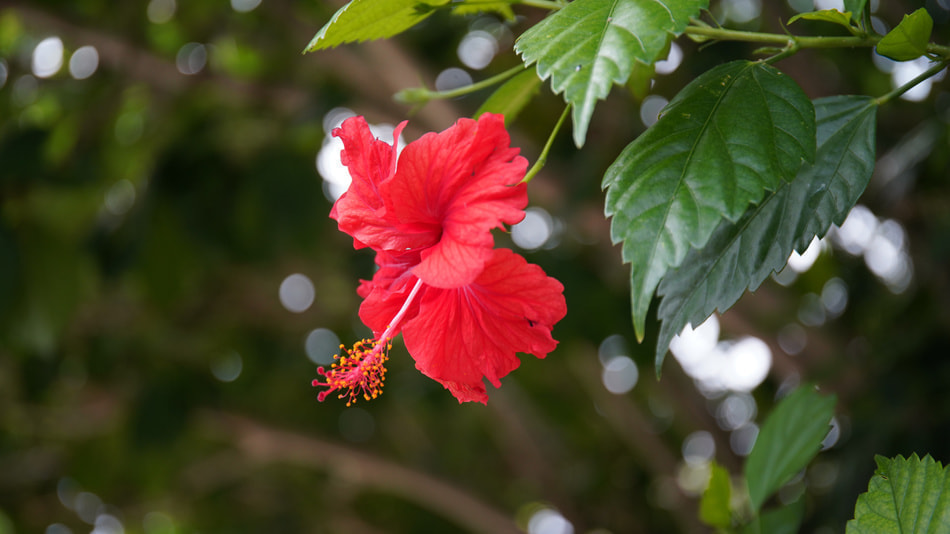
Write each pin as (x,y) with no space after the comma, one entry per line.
(158,190)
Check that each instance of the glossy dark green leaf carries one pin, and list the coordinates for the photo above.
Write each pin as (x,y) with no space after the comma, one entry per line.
(589,45)
(714,507)
(790,437)
(741,255)
(909,39)
(512,96)
(909,496)
(364,20)
(736,131)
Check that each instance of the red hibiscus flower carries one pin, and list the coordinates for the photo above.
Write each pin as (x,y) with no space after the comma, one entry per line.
(464,308)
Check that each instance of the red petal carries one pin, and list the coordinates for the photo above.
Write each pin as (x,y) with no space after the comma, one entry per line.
(385,294)
(456,186)
(360,211)
(460,336)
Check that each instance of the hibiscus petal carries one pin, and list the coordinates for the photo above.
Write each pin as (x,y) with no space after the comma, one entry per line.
(460,336)
(461,183)
(361,211)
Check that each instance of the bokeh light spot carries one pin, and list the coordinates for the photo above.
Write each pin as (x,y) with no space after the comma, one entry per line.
(84,62)
(549,521)
(321,345)
(191,58)
(650,109)
(477,49)
(296,293)
(534,230)
(620,375)
(227,367)
(47,57)
(244,6)
(161,11)
(452,78)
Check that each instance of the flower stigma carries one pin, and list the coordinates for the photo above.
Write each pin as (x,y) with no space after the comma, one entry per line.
(362,372)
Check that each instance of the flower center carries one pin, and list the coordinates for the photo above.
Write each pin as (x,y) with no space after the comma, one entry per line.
(361,372)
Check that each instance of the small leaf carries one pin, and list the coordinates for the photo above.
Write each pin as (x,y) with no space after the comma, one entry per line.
(909,39)
(741,255)
(911,496)
(783,520)
(589,45)
(735,131)
(790,437)
(512,96)
(501,8)
(856,7)
(827,15)
(714,505)
(363,20)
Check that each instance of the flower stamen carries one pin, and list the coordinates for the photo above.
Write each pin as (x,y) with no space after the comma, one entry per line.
(361,372)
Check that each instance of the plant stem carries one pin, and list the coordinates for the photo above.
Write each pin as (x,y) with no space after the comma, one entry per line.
(854,41)
(543,4)
(911,84)
(543,158)
(723,34)
(421,94)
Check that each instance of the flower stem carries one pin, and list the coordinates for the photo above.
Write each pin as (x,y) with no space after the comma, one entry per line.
(911,84)
(418,95)
(543,158)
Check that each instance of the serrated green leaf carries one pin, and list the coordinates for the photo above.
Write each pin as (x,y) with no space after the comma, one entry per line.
(783,520)
(909,39)
(732,133)
(827,15)
(907,496)
(589,45)
(714,504)
(501,8)
(856,7)
(790,437)
(741,255)
(364,20)
(512,96)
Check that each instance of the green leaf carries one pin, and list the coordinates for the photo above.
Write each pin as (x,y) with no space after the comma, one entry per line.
(911,495)
(589,45)
(909,39)
(501,8)
(790,437)
(363,20)
(856,7)
(783,520)
(741,255)
(714,505)
(512,96)
(732,133)
(827,15)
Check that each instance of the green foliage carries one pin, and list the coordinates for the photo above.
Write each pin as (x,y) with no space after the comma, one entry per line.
(364,20)
(909,39)
(790,437)
(502,8)
(512,96)
(782,520)
(734,132)
(904,495)
(714,509)
(589,45)
(856,7)
(741,254)
(828,15)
